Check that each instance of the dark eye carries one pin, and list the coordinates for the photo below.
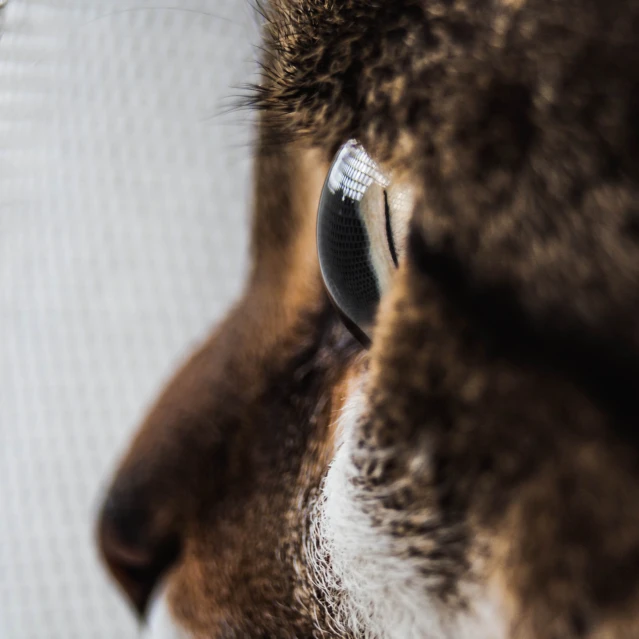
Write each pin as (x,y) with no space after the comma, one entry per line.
(358,240)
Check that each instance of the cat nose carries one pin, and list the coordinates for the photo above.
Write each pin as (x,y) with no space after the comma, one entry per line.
(137,543)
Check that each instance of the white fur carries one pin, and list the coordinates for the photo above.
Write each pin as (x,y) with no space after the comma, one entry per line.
(373,593)
(160,624)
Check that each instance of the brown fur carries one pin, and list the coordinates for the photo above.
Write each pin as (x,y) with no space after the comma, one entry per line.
(507,350)
(213,474)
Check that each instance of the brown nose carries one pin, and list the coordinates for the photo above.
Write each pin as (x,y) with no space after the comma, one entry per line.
(137,545)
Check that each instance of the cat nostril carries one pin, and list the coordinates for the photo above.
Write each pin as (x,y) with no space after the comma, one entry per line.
(136,553)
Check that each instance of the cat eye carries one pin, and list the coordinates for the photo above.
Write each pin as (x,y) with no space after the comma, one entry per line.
(359,238)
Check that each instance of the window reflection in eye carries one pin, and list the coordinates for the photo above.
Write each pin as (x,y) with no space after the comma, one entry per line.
(356,246)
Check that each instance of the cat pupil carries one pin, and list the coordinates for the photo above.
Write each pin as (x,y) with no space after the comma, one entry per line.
(389,230)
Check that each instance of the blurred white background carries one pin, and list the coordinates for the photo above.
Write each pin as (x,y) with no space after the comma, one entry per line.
(123,215)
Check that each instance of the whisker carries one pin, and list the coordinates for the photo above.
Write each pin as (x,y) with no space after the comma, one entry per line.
(118,12)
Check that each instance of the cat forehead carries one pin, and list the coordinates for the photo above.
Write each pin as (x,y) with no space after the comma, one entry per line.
(397,74)
(374,70)
(331,66)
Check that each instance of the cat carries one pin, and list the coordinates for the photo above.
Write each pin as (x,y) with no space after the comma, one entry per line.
(440,442)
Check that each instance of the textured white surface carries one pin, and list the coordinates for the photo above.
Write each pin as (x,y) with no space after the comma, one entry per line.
(122,239)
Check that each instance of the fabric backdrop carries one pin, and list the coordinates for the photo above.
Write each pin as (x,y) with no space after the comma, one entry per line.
(123,215)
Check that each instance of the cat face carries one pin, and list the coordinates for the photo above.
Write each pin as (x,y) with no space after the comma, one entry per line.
(466,465)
